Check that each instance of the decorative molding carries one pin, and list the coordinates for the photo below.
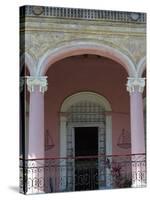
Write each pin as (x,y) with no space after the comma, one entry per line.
(90,14)
(135,84)
(86,46)
(141,66)
(135,16)
(40,81)
(27,60)
(85,96)
(38,10)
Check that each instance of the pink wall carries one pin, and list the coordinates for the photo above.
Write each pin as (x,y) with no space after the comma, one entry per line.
(119,121)
(97,74)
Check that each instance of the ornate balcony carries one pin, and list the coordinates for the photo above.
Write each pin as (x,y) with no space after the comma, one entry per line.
(82,173)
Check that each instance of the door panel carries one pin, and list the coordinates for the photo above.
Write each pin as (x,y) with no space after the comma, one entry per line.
(86,169)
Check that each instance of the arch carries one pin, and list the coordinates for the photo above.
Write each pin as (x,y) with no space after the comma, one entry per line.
(85,96)
(64,126)
(141,67)
(85,47)
(27,60)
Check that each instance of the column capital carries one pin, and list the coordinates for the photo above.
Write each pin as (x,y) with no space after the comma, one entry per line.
(135,84)
(40,81)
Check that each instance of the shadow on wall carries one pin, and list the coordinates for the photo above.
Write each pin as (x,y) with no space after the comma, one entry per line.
(14,188)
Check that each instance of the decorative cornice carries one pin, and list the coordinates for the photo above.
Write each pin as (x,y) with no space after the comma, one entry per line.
(76,13)
(135,84)
(40,81)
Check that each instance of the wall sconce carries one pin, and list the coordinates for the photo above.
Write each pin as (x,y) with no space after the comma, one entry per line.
(49,143)
(124,140)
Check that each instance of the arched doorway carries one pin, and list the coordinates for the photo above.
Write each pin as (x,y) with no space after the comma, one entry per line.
(85,135)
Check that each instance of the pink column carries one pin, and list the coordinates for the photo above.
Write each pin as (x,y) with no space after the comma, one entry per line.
(36,125)
(37,86)
(137,123)
(135,86)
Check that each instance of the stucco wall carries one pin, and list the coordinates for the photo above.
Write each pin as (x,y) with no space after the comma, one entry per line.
(42,34)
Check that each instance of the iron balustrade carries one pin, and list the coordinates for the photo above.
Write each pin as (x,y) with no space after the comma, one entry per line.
(90,14)
(82,173)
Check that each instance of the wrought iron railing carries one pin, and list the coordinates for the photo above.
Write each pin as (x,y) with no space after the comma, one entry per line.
(82,173)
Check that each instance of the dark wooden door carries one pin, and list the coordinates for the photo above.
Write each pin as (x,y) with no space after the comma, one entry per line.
(86,164)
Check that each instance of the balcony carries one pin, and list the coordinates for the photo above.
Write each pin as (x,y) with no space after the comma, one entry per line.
(82,173)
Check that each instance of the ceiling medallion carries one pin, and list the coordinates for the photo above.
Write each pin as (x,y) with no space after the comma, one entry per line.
(38,10)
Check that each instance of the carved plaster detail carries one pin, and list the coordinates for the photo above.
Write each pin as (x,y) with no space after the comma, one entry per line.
(135,84)
(40,81)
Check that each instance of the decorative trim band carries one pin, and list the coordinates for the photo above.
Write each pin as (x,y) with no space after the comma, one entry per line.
(135,84)
(76,13)
(40,81)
